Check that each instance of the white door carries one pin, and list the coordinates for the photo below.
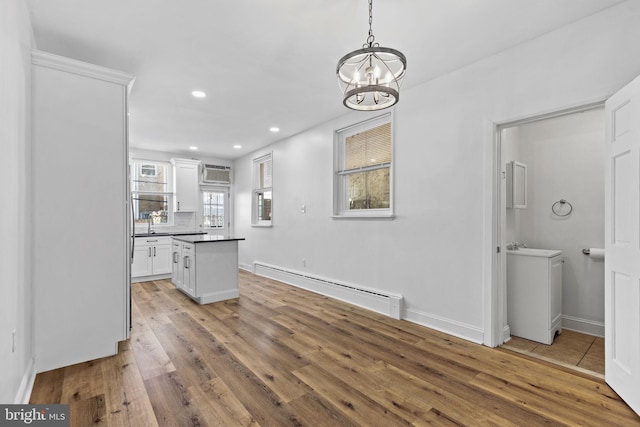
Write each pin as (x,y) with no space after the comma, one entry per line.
(162,258)
(215,210)
(622,244)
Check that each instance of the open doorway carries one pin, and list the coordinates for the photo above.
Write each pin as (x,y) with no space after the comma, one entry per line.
(559,209)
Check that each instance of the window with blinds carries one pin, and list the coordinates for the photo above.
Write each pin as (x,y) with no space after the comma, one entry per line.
(364,155)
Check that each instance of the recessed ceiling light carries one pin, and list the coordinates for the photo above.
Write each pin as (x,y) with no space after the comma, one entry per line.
(274,129)
(198,94)
(193,148)
(237,146)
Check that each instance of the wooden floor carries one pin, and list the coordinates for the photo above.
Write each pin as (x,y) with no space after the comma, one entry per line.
(571,349)
(281,356)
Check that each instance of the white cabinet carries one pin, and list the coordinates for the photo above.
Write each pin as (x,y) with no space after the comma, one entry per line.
(80,210)
(185,185)
(206,271)
(183,263)
(151,257)
(176,264)
(534,294)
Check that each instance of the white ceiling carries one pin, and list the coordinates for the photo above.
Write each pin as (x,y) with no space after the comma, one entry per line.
(272,63)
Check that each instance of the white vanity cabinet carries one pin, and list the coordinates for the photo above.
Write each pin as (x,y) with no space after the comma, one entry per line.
(151,257)
(185,184)
(534,293)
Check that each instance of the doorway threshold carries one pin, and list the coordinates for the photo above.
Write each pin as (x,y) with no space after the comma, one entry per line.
(571,350)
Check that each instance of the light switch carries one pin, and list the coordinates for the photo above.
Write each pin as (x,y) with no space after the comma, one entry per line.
(303,209)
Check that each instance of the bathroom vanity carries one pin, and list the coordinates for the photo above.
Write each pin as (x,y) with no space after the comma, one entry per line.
(534,293)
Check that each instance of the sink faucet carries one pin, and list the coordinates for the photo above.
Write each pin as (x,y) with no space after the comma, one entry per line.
(150,220)
(514,246)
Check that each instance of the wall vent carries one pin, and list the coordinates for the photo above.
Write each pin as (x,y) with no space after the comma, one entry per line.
(371,299)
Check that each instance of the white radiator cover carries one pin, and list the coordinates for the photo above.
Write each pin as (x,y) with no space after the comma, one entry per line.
(375,300)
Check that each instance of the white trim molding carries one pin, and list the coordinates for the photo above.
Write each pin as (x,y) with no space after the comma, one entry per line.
(585,326)
(26,385)
(448,326)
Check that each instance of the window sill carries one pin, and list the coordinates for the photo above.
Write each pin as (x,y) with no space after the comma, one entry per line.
(389,217)
(262,225)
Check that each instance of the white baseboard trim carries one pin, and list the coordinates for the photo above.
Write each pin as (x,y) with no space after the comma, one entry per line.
(585,326)
(448,326)
(506,333)
(376,300)
(150,278)
(26,385)
(246,267)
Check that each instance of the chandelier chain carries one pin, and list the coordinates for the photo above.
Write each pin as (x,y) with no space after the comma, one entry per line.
(371,37)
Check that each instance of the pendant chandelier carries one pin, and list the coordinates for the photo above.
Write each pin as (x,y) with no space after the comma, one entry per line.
(370,77)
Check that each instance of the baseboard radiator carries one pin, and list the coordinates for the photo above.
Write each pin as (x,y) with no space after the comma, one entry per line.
(371,299)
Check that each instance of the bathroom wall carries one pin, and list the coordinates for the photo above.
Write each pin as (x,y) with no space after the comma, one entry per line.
(565,159)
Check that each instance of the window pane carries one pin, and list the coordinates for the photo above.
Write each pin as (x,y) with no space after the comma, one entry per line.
(213,204)
(264,205)
(371,147)
(151,206)
(368,190)
(265,174)
(149,177)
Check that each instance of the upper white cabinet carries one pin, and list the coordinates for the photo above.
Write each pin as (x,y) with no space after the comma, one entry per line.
(81,211)
(185,184)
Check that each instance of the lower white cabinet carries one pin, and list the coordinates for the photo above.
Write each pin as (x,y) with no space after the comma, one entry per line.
(206,272)
(534,294)
(151,257)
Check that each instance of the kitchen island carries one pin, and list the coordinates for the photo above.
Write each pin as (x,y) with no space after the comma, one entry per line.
(205,267)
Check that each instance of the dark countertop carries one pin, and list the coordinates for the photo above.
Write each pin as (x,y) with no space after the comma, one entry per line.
(169,233)
(206,238)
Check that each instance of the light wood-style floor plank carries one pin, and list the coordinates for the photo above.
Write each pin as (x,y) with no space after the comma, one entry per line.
(282,356)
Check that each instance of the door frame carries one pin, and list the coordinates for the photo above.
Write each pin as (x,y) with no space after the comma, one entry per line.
(494,294)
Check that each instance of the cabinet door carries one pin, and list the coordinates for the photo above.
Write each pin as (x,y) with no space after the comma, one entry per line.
(162,259)
(186,187)
(176,266)
(142,261)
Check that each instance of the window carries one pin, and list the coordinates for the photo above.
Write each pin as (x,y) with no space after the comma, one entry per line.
(148,170)
(363,169)
(262,191)
(150,191)
(213,204)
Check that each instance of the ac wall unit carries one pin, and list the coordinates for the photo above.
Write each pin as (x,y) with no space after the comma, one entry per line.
(216,174)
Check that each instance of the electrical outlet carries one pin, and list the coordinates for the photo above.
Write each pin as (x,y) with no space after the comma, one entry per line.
(13,341)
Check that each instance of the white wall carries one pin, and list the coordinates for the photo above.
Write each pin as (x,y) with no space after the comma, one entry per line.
(16,313)
(565,159)
(438,251)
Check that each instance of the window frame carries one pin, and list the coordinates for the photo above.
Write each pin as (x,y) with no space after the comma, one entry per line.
(168,194)
(257,189)
(340,202)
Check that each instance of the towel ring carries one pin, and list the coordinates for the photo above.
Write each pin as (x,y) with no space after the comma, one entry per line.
(555,208)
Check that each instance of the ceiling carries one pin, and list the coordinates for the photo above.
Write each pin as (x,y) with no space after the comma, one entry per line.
(272,63)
